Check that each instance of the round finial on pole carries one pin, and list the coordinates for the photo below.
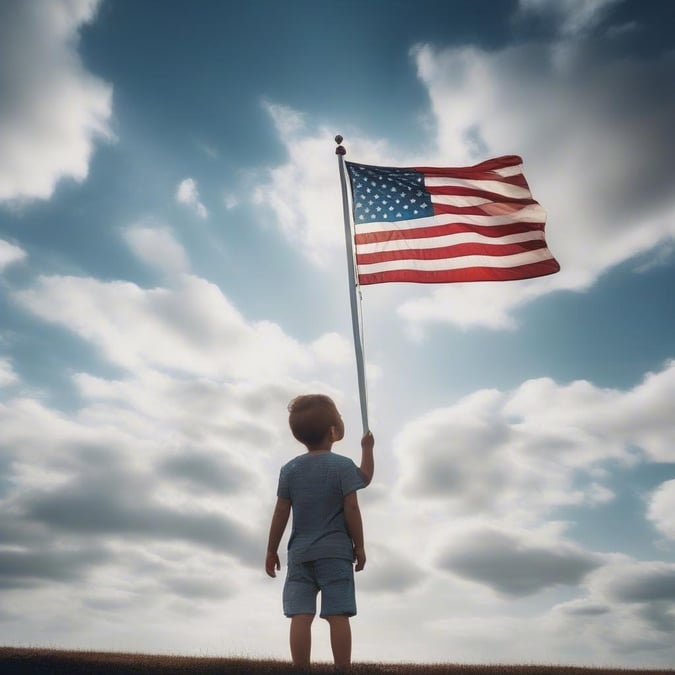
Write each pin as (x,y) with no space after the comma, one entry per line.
(338,139)
(340,149)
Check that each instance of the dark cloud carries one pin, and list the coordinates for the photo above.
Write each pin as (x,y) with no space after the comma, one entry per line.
(659,616)
(585,609)
(395,578)
(438,476)
(119,503)
(201,471)
(233,411)
(93,456)
(389,572)
(197,588)
(452,439)
(513,566)
(119,602)
(643,583)
(21,569)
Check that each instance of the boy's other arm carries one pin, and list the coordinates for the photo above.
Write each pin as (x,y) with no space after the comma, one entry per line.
(355,528)
(279,520)
(367,467)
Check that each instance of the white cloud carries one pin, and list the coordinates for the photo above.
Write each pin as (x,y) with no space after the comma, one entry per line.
(231,201)
(51,109)
(7,374)
(10,253)
(157,246)
(517,455)
(191,328)
(287,121)
(478,304)
(661,509)
(333,348)
(188,194)
(204,415)
(304,193)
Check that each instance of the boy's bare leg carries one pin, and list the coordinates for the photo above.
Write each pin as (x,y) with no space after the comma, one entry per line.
(340,640)
(301,639)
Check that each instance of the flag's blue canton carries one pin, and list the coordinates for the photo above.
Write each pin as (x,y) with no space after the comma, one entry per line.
(390,194)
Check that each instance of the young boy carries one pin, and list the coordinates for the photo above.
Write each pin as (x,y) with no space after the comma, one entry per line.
(327,535)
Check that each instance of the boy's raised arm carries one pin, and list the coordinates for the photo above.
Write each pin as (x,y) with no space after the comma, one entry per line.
(367,460)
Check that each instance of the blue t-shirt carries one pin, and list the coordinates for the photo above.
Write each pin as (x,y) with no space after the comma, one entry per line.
(316,483)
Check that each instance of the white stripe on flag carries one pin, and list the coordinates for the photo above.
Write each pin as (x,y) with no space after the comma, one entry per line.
(532,213)
(515,170)
(448,240)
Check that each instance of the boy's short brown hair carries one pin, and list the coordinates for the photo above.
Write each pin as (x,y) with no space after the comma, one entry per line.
(311,416)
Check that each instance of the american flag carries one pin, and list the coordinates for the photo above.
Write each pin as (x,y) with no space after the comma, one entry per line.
(440,225)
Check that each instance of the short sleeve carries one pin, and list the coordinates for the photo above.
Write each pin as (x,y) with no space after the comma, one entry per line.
(282,489)
(351,478)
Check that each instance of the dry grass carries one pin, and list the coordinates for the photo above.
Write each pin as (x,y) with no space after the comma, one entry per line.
(25,661)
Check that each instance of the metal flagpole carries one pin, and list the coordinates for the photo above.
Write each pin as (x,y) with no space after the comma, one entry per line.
(351,271)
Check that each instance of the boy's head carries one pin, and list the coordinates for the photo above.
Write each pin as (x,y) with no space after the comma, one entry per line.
(311,417)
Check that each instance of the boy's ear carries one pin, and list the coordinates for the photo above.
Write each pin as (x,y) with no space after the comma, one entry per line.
(337,433)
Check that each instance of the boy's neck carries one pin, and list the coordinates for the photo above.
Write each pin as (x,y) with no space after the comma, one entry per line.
(326,443)
(320,447)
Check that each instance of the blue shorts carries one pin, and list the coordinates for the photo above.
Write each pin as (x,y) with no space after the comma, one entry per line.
(334,577)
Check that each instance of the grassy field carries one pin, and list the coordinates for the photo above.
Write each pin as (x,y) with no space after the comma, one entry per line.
(20,661)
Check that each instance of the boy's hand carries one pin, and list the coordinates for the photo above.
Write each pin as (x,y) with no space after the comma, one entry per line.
(272,563)
(367,462)
(368,441)
(360,559)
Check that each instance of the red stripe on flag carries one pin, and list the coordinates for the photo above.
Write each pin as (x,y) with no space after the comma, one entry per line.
(487,209)
(538,269)
(454,251)
(474,192)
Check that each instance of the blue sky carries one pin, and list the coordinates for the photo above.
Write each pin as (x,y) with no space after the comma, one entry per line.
(172,273)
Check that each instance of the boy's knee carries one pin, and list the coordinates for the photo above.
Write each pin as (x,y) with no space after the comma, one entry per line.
(303,618)
(337,618)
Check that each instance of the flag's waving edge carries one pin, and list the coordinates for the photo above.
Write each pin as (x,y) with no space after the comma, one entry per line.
(440,225)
